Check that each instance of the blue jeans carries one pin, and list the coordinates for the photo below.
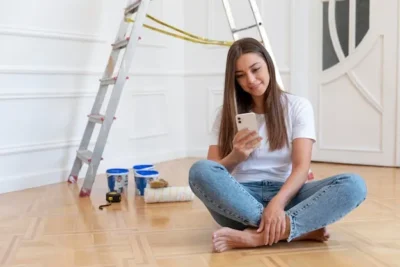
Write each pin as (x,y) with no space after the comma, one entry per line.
(240,205)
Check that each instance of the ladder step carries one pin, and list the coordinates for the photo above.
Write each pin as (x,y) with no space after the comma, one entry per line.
(108,81)
(121,44)
(245,28)
(85,156)
(132,8)
(97,118)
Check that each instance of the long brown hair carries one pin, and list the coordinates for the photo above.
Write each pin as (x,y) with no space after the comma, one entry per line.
(274,107)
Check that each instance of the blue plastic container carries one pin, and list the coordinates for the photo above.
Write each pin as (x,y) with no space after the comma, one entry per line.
(142,179)
(142,167)
(117,179)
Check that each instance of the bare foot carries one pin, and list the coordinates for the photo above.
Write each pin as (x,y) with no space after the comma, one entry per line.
(226,238)
(320,235)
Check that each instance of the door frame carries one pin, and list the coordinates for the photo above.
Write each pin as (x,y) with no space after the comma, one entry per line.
(398,91)
(300,47)
(303,45)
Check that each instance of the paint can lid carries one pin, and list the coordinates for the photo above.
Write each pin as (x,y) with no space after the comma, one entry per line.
(142,166)
(117,171)
(147,174)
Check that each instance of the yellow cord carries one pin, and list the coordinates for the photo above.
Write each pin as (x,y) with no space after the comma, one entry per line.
(192,38)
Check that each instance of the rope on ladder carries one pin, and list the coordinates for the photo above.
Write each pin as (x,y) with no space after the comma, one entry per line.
(189,37)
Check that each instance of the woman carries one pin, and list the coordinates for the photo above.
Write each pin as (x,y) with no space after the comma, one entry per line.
(254,183)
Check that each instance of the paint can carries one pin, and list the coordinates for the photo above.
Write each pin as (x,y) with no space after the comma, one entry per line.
(117,179)
(143,178)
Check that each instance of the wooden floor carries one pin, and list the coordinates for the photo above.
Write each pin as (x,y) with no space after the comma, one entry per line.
(51,226)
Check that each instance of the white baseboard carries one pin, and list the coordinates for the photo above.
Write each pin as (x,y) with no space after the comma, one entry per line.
(32,180)
(27,181)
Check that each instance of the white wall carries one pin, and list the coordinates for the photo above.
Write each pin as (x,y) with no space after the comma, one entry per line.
(52,55)
(204,79)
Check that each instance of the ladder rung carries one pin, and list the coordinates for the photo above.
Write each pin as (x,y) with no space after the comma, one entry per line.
(85,156)
(121,44)
(245,28)
(108,81)
(132,8)
(97,118)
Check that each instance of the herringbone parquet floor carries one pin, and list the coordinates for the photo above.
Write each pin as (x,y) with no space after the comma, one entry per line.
(52,226)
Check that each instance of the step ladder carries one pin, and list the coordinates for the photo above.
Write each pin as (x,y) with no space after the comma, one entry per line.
(129,44)
(125,42)
(261,30)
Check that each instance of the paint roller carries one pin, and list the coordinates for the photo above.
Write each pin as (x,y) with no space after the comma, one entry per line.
(168,194)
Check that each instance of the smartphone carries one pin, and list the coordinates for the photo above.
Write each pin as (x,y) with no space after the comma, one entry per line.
(247,120)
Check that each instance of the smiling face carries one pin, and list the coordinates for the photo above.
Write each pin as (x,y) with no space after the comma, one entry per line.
(252,74)
(250,86)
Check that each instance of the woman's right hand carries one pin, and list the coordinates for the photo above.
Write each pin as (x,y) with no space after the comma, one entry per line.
(244,142)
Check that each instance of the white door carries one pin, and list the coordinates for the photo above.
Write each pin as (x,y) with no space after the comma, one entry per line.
(353,79)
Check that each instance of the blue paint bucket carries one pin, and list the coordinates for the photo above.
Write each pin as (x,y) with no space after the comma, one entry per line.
(142,167)
(117,179)
(142,179)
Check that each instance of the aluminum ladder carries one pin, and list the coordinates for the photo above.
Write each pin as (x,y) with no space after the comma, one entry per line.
(129,44)
(125,41)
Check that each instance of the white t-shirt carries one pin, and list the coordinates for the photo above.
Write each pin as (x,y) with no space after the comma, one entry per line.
(263,164)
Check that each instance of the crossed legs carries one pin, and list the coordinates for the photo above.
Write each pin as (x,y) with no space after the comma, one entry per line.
(316,205)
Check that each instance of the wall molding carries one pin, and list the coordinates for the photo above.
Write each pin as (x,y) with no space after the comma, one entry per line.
(151,45)
(27,70)
(212,92)
(148,136)
(46,70)
(60,175)
(45,95)
(42,146)
(350,149)
(163,132)
(203,73)
(49,34)
(283,71)
(50,70)
(149,92)
(33,180)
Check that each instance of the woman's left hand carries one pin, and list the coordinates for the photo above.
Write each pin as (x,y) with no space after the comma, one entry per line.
(273,222)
